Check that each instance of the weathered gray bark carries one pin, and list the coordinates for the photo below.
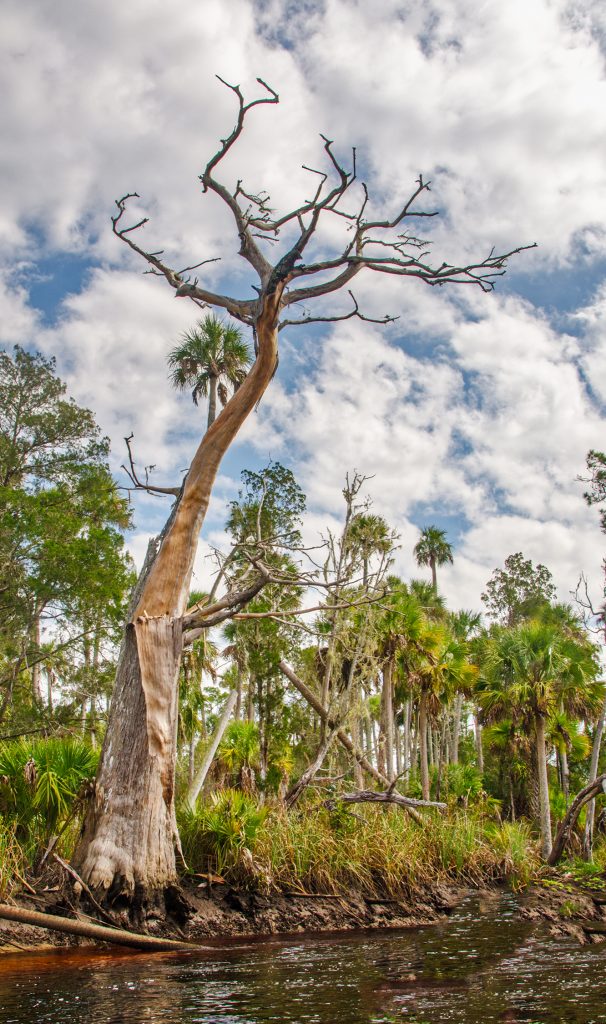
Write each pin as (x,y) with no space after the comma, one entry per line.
(545,812)
(130,832)
(200,777)
(479,747)
(130,837)
(423,746)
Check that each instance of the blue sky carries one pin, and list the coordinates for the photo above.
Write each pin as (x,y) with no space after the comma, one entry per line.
(472,412)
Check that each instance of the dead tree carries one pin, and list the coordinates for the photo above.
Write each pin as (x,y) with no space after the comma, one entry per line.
(127,849)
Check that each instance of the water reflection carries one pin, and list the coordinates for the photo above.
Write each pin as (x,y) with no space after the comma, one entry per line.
(484,965)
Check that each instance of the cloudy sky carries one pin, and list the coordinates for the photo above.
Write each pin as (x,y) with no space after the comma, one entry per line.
(472,412)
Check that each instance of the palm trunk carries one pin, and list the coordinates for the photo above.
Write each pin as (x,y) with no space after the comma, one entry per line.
(456,728)
(130,836)
(545,813)
(434,574)
(565,775)
(406,753)
(36,638)
(423,747)
(212,401)
(479,747)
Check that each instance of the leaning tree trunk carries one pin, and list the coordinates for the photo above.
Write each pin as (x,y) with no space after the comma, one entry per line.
(593,771)
(130,837)
(200,778)
(570,819)
(423,746)
(545,813)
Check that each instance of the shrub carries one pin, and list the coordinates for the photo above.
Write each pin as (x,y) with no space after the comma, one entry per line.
(39,783)
(218,832)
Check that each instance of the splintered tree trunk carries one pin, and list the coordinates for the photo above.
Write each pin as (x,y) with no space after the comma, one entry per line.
(129,837)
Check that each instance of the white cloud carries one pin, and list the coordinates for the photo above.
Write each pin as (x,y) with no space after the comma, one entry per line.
(503,104)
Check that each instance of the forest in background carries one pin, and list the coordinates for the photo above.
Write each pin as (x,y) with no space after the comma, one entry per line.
(328,683)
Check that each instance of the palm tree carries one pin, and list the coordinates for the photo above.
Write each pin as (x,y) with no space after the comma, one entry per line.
(369,535)
(211,358)
(532,672)
(433,549)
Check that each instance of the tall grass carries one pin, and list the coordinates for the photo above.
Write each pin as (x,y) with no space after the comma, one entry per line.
(379,852)
(11,859)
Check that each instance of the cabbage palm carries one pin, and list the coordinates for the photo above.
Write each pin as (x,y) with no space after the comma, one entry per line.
(211,359)
(433,549)
(530,673)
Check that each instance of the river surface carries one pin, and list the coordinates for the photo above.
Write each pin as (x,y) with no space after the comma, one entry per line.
(484,964)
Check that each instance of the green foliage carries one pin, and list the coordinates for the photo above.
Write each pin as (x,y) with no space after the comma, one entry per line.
(239,749)
(12,860)
(217,832)
(596,494)
(433,547)
(39,783)
(518,590)
(62,558)
(269,508)
(385,853)
(463,783)
(515,848)
(210,352)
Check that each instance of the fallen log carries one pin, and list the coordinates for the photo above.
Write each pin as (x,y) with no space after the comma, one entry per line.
(118,936)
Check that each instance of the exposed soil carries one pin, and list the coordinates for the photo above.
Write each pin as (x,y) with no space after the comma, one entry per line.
(217,910)
(221,911)
(570,906)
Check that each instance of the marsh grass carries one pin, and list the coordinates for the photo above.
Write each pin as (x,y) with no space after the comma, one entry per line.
(12,859)
(378,853)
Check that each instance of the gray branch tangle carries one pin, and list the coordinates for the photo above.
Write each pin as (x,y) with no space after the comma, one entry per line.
(382,246)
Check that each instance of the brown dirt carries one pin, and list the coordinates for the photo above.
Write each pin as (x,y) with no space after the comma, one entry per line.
(226,912)
(569,906)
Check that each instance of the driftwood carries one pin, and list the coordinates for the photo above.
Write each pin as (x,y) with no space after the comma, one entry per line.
(118,936)
(565,830)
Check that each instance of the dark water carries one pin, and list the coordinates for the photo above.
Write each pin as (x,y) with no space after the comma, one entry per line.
(483,965)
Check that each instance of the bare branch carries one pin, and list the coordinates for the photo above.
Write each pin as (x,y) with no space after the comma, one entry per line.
(138,485)
(355,312)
